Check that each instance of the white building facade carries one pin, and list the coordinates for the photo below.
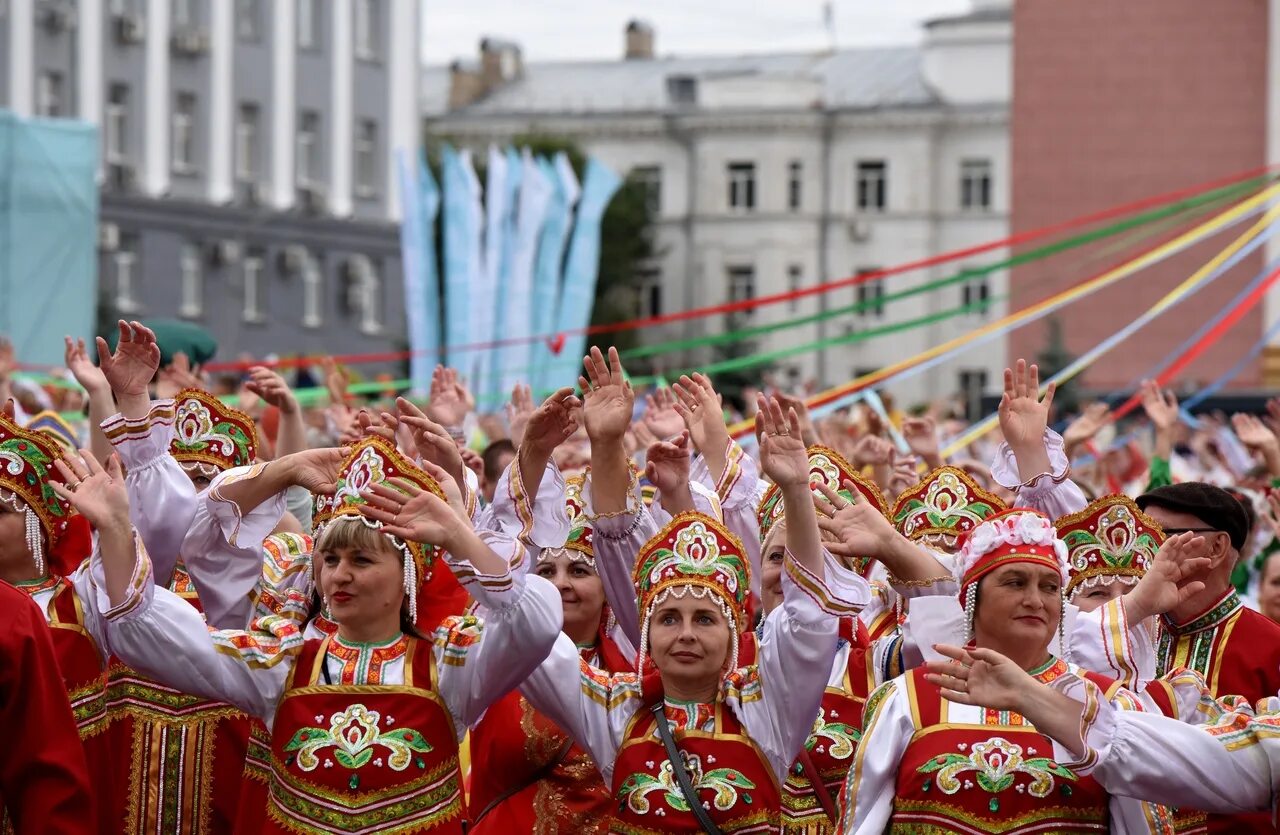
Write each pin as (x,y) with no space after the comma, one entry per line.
(775,173)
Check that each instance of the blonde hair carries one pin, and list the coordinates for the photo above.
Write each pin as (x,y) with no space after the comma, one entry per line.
(353,532)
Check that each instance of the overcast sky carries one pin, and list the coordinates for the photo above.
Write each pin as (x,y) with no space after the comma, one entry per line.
(581,29)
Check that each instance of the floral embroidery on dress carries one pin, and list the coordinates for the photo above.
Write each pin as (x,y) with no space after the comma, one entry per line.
(997,762)
(354,734)
(725,782)
(842,739)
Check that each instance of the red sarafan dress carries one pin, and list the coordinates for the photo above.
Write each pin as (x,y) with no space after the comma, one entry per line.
(527,775)
(364,757)
(180,758)
(929,765)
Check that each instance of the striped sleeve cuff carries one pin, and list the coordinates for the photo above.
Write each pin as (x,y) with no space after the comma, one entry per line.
(140,442)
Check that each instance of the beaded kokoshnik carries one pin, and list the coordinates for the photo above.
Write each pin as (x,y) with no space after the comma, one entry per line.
(26,475)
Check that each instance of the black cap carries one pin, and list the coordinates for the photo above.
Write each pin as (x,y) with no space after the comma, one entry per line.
(1213,506)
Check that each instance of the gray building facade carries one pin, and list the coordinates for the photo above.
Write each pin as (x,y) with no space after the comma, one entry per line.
(247,174)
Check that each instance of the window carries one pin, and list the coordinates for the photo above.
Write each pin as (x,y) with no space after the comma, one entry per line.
(312,294)
(795,281)
(184,134)
(873,185)
(649,292)
(123,7)
(49,94)
(126,264)
(795,175)
(972,383)
(247,143)
(682,89)
(367,30)
(308,136)
(249,20)
(869,294)
(253,288)
(115,115)
(975,184)
(366,293)
(189,266)
(366,148)
(181,14)
(308,14)
(650,179)
(975,292)
(742,286)
(742,186)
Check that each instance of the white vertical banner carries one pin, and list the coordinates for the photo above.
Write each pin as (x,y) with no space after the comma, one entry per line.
(536,190)
(551,249)
(475,262)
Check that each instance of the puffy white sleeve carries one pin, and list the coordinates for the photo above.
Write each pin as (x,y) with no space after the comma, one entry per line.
(616,542)
(867,799)
(162,636)
(222,551)
(797,651)
(481,659)
(740,491)
(591,706)
(1105,642)
(1053,494)
(1227,766)
(162,500)
(539,521)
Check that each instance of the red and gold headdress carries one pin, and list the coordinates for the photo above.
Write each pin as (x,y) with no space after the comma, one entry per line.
(1110,539)
(694,554)
(211,435)
(828,467)
(1018,535)
(576,508)
(942,508)
(26,473)
(374,461)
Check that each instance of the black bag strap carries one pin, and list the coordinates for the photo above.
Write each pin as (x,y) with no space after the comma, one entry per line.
(545,771)
(681,773)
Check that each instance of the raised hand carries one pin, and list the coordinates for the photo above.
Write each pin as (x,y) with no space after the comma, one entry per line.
(1023,414)
(98,494)
(1161,406)
(667,464)
(921,435)
(314,469)
(411,513)
(176,376)
(608,399)
(903,475)
(133,365)
(519,410)
(553,423)
(808,433)
(1086,426)
(1171,579)
(435,445)
(660,415)
(979,677)
(699,407)
(450,401)
(88,375)
(8,360)
(272,388)
(873,450)
(335,382)
(783,456)
(855,528)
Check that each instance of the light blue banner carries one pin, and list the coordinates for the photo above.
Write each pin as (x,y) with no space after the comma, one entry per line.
(415,238)
(535,198)
(582,268)
(550,263)
(458,255)
(48,234)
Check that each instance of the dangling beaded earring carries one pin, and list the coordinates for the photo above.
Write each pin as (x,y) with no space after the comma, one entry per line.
(1062,625)
(970,610)
(33,539)
(411,586)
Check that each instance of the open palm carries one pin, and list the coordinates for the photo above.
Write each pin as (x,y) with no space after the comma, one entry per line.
(608,400)
(133,365)
(783,456)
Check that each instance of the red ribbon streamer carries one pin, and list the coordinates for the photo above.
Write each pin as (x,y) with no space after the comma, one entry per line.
(1215,333)
(776,298)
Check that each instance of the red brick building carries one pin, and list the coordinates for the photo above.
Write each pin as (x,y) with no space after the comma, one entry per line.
(1116,101)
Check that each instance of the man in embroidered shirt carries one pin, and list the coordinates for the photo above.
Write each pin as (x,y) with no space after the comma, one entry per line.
(1236,649)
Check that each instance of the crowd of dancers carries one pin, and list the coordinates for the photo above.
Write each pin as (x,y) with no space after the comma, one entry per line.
(621,619)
